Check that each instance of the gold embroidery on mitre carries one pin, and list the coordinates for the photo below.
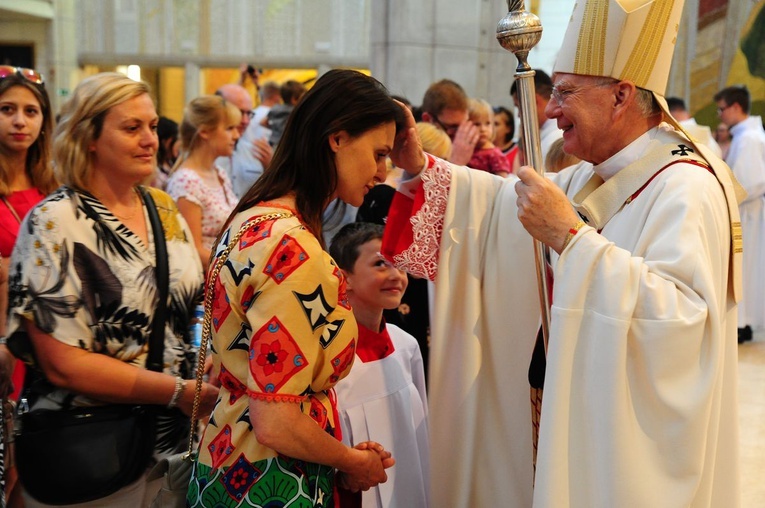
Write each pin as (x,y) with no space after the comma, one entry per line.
(643,58)
(591,44)
(736,237)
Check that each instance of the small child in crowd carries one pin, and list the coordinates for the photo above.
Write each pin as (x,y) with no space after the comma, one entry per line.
(291,92)
(486,156)
(383,398)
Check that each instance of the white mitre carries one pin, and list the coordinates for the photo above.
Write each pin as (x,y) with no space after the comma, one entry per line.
(629,40)
(634,40)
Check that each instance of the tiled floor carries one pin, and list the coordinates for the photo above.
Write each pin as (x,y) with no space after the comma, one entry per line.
(751,361)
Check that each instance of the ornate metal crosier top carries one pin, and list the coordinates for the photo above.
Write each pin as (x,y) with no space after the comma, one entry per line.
(519,31)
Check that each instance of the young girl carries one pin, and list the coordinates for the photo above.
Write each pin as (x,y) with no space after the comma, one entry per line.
(201,189)
(486,156)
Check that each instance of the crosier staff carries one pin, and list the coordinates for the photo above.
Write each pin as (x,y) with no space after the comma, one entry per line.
(518,32)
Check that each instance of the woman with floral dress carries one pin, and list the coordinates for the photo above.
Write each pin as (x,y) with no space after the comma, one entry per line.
(202,190)
(82,281)
(283,331)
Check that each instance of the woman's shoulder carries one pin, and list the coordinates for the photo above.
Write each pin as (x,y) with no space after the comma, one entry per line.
(56,203)
(182,175)
(272,222)
(269,229)
(161,198)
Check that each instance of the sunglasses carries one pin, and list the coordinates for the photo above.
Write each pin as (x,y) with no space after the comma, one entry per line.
(30,74)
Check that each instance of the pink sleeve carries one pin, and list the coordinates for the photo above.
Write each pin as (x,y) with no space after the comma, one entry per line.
(185,183)
(499,162)
(415,224)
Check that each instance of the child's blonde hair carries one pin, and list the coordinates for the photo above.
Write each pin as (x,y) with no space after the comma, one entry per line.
(479,108)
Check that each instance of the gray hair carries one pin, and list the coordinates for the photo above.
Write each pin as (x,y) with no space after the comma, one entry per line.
(646,103)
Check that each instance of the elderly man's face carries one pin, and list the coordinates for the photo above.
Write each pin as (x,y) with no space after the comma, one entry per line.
(240,98)
(580,105)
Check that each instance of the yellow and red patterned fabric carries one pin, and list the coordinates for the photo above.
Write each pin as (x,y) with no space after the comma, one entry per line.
(283,331)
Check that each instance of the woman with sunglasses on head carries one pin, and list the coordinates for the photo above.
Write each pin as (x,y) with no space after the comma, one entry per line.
(84,284)
(283,331)
(202,190)
(26,177)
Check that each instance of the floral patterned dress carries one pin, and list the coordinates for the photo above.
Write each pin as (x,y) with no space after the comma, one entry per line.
(216,202)
(283,331)
(88,281)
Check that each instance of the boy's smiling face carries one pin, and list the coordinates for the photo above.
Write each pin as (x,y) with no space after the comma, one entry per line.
(374,284)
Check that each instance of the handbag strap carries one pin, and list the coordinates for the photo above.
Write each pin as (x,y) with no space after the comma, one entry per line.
(154,360)
(12,209)
(207,324)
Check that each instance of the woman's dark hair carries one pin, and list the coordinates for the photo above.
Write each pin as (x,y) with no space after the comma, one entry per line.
(501,110)
(303,163)
(166,130)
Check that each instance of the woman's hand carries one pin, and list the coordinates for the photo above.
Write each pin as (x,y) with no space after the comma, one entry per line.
(385,455)
(207,398)
(367,468)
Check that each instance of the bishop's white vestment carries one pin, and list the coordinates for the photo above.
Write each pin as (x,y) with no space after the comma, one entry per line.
(639,403)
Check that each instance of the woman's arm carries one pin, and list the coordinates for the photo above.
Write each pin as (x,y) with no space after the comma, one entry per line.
(107,379)
(283,427)
(192,213)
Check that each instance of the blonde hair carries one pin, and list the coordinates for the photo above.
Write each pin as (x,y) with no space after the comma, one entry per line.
(203,112)
(434,140)
(557,159)
(81,122)
(479,108)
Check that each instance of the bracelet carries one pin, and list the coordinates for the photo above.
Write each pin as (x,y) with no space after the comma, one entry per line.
(571,232)
(180,386)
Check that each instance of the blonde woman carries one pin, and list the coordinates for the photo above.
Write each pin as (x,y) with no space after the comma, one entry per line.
(201,189)
(83,291)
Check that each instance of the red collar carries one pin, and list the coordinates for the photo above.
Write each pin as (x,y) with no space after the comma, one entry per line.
(373,346)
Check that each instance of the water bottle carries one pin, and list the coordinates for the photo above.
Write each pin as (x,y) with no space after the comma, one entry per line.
(195,330)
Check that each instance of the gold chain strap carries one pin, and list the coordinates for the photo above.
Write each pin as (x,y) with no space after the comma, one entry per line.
(207,324)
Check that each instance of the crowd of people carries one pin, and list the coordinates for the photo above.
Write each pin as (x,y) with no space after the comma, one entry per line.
(382,356)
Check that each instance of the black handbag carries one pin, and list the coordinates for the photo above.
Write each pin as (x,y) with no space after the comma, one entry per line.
(79,454)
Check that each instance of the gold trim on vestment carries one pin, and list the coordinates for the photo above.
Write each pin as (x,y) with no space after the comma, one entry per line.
(737,237)
(591,46)
(644,56)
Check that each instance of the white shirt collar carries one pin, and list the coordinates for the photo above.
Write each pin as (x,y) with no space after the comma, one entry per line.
(629,153)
